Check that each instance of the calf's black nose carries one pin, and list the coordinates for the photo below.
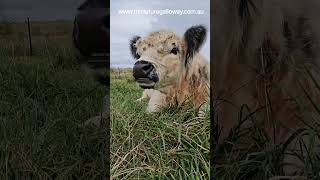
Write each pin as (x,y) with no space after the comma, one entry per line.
(142,69)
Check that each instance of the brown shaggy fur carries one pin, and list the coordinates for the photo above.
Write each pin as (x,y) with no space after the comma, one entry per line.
(261,51)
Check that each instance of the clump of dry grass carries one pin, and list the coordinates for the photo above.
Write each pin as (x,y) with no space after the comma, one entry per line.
(249,153)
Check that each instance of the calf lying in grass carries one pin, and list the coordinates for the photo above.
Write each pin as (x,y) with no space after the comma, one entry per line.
(170,68)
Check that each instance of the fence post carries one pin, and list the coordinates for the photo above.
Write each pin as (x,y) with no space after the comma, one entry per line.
(29,33)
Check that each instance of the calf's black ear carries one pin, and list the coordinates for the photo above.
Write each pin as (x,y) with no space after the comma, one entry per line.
(133,47)
(194,38)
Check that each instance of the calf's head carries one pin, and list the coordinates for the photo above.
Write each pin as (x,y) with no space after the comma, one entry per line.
(161,56)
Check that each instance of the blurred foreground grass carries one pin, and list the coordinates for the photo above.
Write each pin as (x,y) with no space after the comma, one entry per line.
(44,100)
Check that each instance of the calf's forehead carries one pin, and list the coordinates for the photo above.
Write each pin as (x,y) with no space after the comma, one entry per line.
(160,37)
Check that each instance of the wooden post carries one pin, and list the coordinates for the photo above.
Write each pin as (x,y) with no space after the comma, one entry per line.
(29,32)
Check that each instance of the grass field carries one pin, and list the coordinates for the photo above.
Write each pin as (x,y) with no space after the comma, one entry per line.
(46,98)
(44,101)
(171,144)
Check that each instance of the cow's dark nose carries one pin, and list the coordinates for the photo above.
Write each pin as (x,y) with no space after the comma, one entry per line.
(142,69)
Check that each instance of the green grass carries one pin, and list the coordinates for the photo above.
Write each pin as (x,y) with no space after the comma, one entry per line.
(44,101)
(171,144)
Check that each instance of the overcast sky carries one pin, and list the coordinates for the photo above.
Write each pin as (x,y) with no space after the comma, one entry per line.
(124,27)
(38,9)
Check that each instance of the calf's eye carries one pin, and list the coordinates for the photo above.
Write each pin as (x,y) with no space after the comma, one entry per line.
(174,51)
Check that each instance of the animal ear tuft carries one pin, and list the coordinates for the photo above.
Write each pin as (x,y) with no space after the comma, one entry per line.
(133,48)
(194,38)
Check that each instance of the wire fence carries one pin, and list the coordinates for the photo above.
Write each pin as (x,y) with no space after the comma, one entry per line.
(38,38)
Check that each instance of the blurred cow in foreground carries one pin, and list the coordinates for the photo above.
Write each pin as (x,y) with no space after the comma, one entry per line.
(266,60)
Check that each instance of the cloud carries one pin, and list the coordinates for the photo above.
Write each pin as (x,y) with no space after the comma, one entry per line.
(124,27)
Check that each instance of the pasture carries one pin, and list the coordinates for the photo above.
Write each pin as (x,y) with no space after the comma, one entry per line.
(46,98)
(170,144)
(44,101)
